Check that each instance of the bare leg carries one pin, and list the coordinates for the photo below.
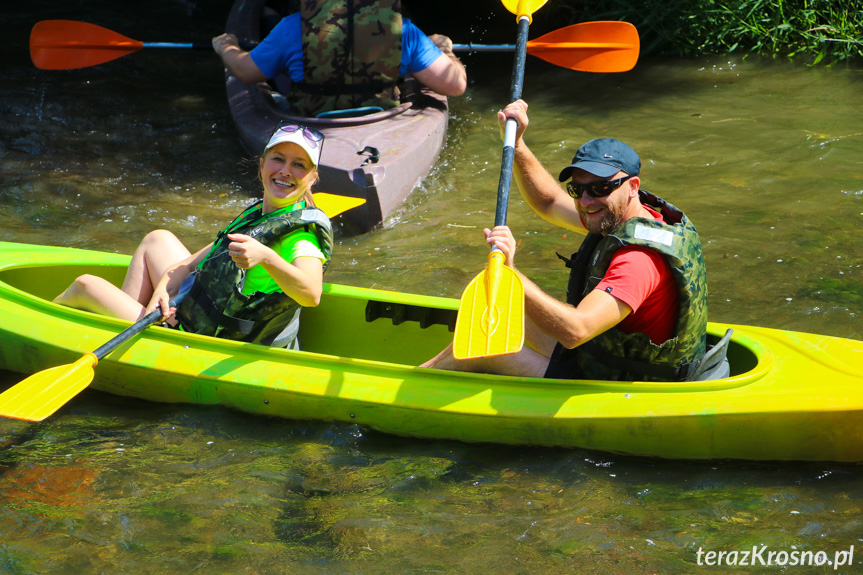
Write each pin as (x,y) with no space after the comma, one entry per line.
(530,361)
(92,293)
(157,251)
(538,339)
(525,363)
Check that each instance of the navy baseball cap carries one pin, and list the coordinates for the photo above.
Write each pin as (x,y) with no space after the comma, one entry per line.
(604,157)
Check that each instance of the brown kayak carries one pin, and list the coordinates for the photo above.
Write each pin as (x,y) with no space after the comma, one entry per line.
(380,157)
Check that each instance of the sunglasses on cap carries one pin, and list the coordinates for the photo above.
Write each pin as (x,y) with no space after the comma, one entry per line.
(594,189)
(311,135)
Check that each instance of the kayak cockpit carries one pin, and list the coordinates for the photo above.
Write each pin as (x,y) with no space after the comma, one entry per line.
(365,324)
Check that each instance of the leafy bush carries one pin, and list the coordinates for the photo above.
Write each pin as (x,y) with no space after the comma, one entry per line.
(816,31)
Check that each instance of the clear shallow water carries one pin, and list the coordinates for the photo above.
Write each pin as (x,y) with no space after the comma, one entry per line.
(763,156)
(112,485)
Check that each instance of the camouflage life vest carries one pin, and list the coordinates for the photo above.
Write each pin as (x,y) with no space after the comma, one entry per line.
(351,55)
(216,305)
(614,355)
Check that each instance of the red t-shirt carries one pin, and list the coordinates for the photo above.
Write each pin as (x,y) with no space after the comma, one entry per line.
(641,278)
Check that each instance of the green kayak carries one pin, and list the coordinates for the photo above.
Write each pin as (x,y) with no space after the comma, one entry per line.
(790,396)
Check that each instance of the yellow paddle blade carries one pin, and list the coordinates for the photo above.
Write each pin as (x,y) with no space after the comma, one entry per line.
(491,313)
(45,392)
(333,205)
(524,7)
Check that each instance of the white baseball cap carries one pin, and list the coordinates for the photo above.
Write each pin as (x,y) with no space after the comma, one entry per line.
(309,139)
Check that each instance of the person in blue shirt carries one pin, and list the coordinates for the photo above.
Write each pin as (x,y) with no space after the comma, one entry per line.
(429,59)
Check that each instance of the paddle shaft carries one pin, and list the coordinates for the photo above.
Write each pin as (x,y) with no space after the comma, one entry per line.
(511,125)
(176,45)
(192,45)
(470,47)
(134,329)
(145,321)
(490,318)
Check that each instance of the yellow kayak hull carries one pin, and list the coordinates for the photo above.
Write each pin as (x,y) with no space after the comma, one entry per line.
(791,395)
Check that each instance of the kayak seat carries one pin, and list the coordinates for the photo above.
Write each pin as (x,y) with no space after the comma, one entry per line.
(289,337)
(349,113)
(400,313)
(713,364)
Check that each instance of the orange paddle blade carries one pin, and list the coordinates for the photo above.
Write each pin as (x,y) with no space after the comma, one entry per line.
(68,44)
(590,47)
(45,392)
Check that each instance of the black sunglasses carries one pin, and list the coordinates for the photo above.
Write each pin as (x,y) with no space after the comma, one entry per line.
(594,189)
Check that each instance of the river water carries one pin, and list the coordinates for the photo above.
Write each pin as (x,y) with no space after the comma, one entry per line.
(763,156)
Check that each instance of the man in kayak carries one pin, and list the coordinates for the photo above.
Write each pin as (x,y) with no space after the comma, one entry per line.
(334,55)
(636,306)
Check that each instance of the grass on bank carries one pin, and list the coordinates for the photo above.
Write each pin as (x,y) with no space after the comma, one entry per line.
(812,31)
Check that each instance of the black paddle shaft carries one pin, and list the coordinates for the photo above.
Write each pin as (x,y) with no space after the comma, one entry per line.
(508,148)
(134,329)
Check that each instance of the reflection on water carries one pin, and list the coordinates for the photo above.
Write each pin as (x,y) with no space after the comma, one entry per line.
(763,156)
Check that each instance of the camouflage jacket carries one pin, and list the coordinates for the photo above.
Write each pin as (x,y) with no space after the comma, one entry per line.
(351,55)
(614,355)
(216,305)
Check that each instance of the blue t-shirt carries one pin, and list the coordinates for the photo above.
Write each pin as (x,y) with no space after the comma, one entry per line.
(282,49)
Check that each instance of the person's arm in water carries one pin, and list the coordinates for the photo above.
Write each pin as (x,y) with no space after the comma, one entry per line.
(238,61)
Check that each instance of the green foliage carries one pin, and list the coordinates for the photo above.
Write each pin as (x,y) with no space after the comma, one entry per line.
(815,31)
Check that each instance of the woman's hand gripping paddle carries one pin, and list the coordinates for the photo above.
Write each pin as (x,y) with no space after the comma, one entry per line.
(491,312)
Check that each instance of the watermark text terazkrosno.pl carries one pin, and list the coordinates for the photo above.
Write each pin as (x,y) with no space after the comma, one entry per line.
(760,555)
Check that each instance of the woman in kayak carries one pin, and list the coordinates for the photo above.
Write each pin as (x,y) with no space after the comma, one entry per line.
(251,281)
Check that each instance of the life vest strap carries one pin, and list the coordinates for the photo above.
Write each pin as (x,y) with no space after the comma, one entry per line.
(636,367)
(692,371)
(243,326)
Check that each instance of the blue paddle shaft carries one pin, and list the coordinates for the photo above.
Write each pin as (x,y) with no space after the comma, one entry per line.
(510,129)
(190,46)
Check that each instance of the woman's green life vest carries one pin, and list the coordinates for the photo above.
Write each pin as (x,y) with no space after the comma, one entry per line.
(216,306)
(351,55)
(614,355)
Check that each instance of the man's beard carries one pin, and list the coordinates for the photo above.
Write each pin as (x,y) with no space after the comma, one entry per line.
(613,217)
